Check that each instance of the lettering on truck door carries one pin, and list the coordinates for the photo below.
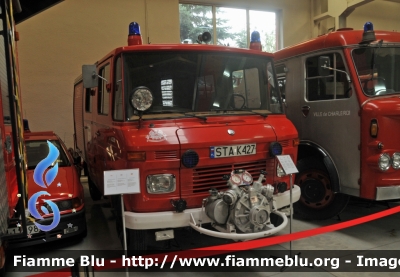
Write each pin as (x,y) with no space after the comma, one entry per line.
(329,117)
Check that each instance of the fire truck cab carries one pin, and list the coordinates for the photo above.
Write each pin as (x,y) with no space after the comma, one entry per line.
(199,122)
(342,92)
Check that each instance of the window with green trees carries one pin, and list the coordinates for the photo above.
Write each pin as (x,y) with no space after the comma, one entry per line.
(227,26)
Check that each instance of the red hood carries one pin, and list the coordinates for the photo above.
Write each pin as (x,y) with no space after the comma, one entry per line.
(387,113)
(61,188)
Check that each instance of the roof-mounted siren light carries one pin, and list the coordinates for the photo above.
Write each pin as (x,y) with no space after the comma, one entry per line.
(134,37)
(369,34)
(255,41)
(204,37)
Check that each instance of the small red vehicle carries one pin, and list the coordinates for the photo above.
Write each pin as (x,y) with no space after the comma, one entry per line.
(198,122)
(65,191)
(342,93)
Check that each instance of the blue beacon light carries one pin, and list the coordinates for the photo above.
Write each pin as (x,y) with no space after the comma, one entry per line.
(134,37)
(368,26)
(255,41)
(368,34)
(255,37)
(134,29)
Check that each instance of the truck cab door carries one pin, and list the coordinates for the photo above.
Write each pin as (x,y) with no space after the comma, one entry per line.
(329,116)
(102,123)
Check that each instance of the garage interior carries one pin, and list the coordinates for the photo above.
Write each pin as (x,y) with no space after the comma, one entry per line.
(58,38)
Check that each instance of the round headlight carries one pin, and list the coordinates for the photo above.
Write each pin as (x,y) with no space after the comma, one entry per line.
(396,160)
(141,98)
(384,162)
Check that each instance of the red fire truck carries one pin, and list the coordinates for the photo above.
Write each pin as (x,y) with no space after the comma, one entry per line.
(12,156)
(197,121)
(341,91)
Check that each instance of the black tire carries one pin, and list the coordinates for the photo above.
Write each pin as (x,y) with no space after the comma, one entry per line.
(95,194)
(318,200)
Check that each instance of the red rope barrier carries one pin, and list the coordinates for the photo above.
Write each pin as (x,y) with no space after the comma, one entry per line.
(240,246)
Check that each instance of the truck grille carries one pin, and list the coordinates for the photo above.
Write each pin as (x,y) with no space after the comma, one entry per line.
(284,143)
(206,178)
(162,155)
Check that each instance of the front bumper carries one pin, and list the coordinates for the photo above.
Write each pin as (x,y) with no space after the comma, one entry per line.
(387,193)
(75,220)
(172,219)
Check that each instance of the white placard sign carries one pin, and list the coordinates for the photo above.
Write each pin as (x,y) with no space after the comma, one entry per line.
(121,181)
(287,164)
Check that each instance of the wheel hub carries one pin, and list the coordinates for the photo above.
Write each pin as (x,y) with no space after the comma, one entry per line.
(316,190)
(313,191)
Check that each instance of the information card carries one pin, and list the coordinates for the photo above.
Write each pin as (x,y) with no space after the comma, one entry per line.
(287,164)
(121,181)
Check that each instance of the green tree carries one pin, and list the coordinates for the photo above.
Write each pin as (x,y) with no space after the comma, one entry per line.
(241,39)
(269,44)
(196,19)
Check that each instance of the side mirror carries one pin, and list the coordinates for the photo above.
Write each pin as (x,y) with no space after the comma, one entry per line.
(324,65)
(89,75)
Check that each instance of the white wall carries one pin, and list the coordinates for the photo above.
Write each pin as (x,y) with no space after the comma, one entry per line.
(383,14)
(56,43)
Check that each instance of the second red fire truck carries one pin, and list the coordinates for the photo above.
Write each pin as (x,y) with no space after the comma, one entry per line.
(342,92)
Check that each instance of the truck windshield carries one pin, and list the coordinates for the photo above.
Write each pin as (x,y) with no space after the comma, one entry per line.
(209,83)
(378,69)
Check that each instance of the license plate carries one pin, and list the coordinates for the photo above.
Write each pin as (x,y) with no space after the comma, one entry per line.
(232,150)
(32,229)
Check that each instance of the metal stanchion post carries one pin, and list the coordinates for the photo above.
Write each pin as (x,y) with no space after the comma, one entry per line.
(291,211)
(124,232)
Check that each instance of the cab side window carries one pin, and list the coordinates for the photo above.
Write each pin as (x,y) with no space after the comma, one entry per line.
(118,102)
(281,74)
(88,100)
(103,100)
(333,86)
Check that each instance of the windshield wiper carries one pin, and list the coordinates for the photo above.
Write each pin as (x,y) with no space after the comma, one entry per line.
(197,116)
(262,114)
(240,110)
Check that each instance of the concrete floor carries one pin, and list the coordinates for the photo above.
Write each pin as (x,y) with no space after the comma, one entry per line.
(380,234)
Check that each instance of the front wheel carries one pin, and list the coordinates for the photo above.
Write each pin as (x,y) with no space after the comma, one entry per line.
(318,201)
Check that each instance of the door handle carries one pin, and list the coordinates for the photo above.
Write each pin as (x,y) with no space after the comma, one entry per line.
(98,133)
(305,110)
